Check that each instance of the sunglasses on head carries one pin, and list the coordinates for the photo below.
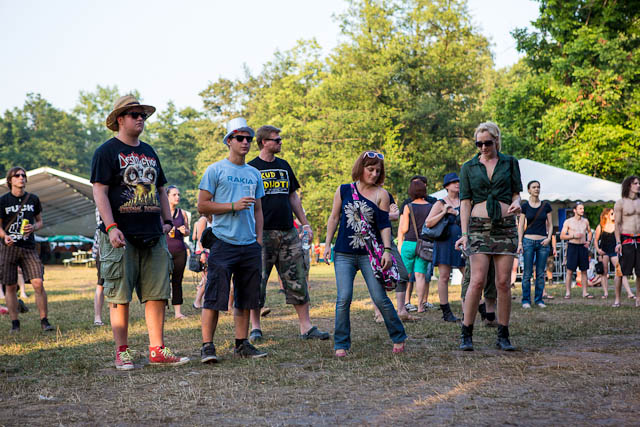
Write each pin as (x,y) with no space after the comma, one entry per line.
(135,114)
(479,144)
(373,155)
(21,174)
(242,138)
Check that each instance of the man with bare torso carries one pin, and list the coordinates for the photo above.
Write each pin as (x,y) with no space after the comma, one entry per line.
(578,232)
(627,231)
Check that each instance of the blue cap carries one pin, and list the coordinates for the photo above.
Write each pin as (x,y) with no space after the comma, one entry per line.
(450,177)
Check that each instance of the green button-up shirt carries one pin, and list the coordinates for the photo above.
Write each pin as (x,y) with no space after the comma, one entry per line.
(476,185)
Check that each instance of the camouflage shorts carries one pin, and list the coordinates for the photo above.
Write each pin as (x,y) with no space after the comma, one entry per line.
(493,237)
(284,250)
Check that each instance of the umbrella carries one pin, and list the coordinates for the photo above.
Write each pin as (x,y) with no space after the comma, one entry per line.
(69,239)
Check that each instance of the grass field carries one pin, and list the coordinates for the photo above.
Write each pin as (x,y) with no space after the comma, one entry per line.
(577,363)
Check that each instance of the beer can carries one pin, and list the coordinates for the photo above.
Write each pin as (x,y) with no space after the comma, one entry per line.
(23,225)
(172,233)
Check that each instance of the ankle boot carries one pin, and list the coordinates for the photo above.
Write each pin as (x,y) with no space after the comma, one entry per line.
(447,315)
(482,309)
(503,342)
(466,338)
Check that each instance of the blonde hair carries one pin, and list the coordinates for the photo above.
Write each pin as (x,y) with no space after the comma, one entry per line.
(493,130)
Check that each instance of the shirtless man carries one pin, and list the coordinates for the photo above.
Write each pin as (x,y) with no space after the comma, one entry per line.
(578,232)
(627,231)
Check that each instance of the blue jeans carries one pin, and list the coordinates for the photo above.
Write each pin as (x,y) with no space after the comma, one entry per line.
(346,266)
(533,249)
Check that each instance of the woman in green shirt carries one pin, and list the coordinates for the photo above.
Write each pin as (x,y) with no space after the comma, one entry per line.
(490,189)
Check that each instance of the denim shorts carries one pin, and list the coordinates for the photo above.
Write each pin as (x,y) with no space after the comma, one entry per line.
(128,268)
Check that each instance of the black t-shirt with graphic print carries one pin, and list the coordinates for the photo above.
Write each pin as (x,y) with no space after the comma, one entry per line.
(133,175)
(279,181)
(9,206)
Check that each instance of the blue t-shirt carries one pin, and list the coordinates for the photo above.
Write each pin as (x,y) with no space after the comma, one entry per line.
(229,183)
(349,238)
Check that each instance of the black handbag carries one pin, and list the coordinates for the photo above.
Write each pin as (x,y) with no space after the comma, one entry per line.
(440,231)
(424,248)
(208,238)
(194,262)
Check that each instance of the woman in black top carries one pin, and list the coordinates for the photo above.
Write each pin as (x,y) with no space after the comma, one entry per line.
(534,237)
(605,242)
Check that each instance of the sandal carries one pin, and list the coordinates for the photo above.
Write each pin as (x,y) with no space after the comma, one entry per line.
(398,350)
(616,305)
(568,296)
(548,297)
(341,353)
(182,316)
(588,296)
(632,297)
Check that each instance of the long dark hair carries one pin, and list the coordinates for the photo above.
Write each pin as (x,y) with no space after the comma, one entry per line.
(626,185)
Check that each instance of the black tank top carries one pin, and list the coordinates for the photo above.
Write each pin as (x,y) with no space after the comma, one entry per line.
(607,242)
(422,212)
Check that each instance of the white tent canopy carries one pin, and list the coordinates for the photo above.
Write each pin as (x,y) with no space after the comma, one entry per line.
(560,186)
(67,201)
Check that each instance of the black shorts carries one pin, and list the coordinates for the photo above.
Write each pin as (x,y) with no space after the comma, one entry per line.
(630,259)
(244,263)
(577,257)
(27,259)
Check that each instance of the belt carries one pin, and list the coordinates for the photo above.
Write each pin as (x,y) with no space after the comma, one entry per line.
(630,238)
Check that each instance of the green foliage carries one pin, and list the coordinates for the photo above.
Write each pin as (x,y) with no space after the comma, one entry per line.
(574,101)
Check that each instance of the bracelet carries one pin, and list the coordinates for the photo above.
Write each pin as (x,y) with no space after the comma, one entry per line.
(465,234)
(387,250)
(232,210)
(109,227)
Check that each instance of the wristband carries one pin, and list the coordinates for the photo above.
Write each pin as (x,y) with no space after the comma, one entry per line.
(465,234)
(387,250)
(617,243)
(232,210)
(110,226)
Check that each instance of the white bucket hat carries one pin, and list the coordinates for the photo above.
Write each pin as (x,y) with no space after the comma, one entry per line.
(239,124)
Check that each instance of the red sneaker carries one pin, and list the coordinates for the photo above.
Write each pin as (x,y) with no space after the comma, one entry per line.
(161,355)
(124,359)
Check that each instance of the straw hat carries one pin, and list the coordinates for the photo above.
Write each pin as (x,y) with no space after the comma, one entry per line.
(239,124)
(125,103)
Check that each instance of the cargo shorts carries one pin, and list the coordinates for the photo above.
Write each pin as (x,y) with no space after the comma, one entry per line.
(284,250)
(145,270)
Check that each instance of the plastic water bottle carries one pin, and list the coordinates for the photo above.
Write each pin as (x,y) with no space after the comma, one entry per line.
(305,240)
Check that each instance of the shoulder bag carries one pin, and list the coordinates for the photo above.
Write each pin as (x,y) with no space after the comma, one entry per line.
(424,248)
(387,278)
(440,231)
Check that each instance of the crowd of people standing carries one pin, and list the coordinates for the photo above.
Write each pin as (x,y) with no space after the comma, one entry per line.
(247,227)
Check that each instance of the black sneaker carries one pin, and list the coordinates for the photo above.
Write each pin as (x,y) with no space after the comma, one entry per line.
(46,326)
(315,334)
(22,307)
(208,354)
(15,326)
(255,336)
(246,350)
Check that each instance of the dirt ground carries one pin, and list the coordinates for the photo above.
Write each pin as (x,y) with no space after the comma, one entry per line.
(578,372)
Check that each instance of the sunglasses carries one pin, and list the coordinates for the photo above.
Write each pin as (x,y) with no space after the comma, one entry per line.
(278,140)
(134,115)
(242,138)
(479,144)
(22,174)
(373,155)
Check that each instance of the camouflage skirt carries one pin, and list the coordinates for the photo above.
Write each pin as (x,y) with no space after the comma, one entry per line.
(491,237)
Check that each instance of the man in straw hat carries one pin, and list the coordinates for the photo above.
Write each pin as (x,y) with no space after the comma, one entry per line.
(230,190)
(128,190)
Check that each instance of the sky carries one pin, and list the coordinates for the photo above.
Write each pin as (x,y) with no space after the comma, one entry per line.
(171,51)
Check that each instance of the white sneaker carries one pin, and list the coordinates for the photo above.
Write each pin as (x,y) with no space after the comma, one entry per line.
(542,305)
(526,305)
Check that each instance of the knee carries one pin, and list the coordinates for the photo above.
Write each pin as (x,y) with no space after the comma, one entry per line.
(38,287)
(503,286)
(343,302)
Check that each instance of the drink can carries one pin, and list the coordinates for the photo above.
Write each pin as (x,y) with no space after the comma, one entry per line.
(172,233)
(23,225)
